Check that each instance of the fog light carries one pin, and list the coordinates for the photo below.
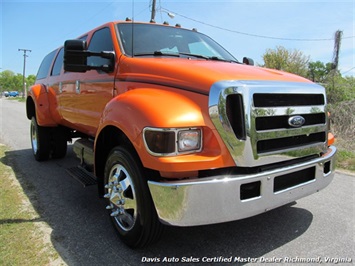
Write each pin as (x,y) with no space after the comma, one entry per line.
(189,140)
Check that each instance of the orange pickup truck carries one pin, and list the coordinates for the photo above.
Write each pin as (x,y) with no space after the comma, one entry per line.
(175,131)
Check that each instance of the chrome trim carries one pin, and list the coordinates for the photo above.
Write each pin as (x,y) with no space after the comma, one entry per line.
(244,151)
(176,131)
(216,199)
(60,87)
(285,110)
(77,87)
(281,133)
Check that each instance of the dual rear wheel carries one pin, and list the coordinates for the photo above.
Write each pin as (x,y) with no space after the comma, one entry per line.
(47,141)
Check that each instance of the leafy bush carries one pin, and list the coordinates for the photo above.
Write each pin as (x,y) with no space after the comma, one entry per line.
(343,123)
(339,89)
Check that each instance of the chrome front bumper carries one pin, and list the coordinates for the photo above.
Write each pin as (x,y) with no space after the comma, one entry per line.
(219,199)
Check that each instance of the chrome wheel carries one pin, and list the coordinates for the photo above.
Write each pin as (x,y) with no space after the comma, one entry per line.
(130,205)
(122,197)
(40,141)
(34,138)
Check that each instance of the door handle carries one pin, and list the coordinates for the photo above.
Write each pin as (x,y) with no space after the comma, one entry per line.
(77,87)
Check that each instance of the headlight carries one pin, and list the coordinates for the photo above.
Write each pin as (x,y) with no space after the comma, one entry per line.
(189,140)
(172,141)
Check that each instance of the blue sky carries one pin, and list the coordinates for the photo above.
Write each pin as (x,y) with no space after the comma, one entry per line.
(245,28)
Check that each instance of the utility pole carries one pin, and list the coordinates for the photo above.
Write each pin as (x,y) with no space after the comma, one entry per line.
(337,42)
(152,17)
(24,95)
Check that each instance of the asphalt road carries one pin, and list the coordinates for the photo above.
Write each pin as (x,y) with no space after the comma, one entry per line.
(319,227)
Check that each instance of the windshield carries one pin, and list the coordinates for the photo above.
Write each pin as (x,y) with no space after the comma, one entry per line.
(152,39)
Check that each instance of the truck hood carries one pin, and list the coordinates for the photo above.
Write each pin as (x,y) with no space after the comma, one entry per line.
(194,75)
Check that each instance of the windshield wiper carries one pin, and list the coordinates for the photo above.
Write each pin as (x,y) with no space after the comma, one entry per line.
(160,53)
(216,58)
(222,59)
(157,53)
(195,55)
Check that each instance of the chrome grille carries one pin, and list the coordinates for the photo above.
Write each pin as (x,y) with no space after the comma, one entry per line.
(279,99)
(253,119)
(276,144)
(279,122)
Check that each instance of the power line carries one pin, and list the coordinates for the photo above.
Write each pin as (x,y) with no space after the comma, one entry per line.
(348,70)
(255,35)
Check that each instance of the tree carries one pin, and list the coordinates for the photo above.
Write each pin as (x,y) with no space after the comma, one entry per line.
(30,80)
(318,71)
(286,60)
(18,82)
(9,81)
(339,89)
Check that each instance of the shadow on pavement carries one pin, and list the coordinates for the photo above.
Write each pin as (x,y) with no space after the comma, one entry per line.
(83,235)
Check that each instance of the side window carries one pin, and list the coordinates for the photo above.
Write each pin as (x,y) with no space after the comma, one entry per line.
(58,63)
(45,65)
(100,41)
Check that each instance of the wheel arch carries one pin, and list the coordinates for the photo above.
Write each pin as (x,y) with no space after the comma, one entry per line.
(108,138)
(30,108)
(37,104)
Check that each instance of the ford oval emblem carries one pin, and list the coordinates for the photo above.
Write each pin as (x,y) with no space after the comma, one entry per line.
(296,121)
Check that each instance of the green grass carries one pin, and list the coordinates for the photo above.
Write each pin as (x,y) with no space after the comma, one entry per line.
(19,98)
(346,154)
(346,160)
(22,231)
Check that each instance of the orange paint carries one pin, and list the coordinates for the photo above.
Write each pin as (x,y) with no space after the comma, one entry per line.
(161,92)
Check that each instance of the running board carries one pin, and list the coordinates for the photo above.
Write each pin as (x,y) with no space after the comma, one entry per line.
(83,176)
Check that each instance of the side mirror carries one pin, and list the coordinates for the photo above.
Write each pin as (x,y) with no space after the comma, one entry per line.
(248,61)
(76,57)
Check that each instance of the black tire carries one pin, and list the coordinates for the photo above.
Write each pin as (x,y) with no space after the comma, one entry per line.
(59,143)
(40,141)
(129,201)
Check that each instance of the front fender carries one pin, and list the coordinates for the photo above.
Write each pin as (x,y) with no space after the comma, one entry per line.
(134,110)
(38,97)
